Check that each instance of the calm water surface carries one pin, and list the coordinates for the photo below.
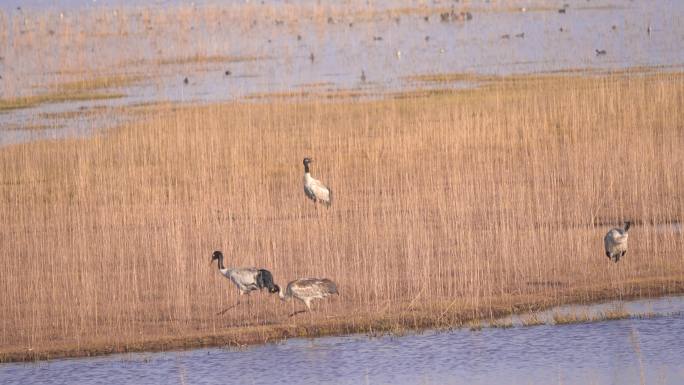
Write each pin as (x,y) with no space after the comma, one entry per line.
(388,50)
(610,352)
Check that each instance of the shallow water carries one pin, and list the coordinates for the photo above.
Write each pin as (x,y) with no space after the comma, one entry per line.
(608,352)
(387,50)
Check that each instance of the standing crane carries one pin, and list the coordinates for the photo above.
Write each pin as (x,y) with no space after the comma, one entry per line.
(308,289)
(247,279)
(615,242)
(313,188)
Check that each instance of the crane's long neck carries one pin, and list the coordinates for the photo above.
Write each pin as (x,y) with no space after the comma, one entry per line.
(282,295)
(220,263)
(308,178)
(627,224)
(306,168)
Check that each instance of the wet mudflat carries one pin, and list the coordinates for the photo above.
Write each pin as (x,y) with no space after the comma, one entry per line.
(161,52)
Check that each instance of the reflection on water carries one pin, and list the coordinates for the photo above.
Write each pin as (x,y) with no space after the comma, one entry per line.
(610,352)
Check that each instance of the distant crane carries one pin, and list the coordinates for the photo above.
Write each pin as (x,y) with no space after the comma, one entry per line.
(247,279)
(615,242)
(308,289)
(313,188)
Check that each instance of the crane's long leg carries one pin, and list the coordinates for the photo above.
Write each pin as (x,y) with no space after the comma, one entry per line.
(228,308)
(308,308)
(297,312)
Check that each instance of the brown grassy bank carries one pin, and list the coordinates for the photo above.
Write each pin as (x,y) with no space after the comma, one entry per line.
(448,207)
(400,321)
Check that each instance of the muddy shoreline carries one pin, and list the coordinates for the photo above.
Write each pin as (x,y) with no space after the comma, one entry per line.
(396,324)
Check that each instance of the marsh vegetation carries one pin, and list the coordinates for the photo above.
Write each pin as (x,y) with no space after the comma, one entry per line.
(452,205)
(445,211)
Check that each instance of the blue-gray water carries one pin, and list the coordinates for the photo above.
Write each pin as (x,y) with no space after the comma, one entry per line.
(611,352)
(388,50)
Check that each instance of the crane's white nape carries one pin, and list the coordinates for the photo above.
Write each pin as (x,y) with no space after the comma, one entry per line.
(615,242)
(314,188)
(308,289)
(246,279)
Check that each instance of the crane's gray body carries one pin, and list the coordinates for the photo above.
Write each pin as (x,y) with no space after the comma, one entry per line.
(615,242)
(317,191)
(313,188)
(308,289)
(247,279)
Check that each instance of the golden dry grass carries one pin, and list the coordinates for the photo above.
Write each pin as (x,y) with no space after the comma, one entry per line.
(533,319)
(448,207)
(208,59)
(87,88)
(54,97)
(96,83)
(585,315)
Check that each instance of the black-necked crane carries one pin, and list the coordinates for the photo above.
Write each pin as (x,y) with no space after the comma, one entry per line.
(615,242)
(247,279)
(313,188)
(308,289)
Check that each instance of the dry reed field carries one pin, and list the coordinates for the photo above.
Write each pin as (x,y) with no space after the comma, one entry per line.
(449,207)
